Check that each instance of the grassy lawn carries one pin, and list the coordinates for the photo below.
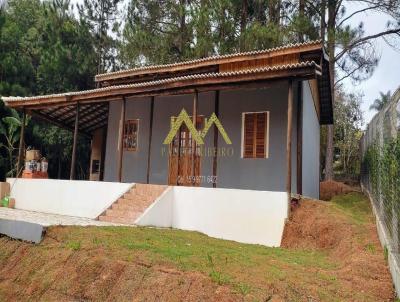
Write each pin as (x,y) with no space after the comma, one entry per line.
(250,272)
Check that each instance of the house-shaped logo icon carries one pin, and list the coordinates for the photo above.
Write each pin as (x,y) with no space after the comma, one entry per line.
(198,136)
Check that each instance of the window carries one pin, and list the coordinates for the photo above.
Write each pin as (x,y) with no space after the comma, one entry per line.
(255,128)
(131,131)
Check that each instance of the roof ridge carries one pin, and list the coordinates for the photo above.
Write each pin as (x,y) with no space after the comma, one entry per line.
(253,52)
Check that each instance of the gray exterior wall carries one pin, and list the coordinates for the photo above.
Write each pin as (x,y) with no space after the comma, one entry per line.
(311,145)
(258,174)
(232,172)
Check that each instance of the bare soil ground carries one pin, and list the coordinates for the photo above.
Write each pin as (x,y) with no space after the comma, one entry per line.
(330,188)
(330,252)
(350,240)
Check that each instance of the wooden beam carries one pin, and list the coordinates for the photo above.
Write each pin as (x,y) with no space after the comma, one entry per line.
(179,87)
(46,118)
(21,143)
(104,147)
(95,119)
(150,137)
(84,112)
(201,81)
(215,158)
(194,118)
(289,142)
(154,77)
(121,139)
(64,113)
(98,125)
(50,112)
(74,143)
(213,61)
(299,139)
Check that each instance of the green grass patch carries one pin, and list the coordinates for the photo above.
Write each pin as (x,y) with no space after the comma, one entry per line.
(73,245)
(253,271)
(386,253)
(370,247)
(354,205)
(225,262)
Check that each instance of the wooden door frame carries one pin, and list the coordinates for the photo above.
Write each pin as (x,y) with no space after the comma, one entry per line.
(200,122)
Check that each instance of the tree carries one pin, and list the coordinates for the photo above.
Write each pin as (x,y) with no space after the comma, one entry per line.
(9,130)
(380,102)
(44,49)
(67,58)
(348,118)
(159,32)
(102,18)
(350,51)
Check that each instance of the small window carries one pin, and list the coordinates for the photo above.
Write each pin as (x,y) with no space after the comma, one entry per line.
(255,128)
(131,132)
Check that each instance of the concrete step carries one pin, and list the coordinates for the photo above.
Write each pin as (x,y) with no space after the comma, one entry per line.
(117,219)
(133,203)
(123,213)
(147,189)
(135,207)
(135,196)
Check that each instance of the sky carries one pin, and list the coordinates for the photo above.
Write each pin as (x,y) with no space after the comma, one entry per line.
(386,76)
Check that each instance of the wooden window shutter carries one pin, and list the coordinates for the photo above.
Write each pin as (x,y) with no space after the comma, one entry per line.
(255,133)
(261,128)
(248,147)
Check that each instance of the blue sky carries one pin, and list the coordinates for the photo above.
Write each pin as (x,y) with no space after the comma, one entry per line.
(386,75)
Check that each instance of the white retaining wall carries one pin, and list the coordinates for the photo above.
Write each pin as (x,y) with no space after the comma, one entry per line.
(241,215)
(66,197)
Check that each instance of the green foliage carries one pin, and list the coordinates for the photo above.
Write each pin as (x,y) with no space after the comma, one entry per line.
(9,131)
(381,167)
(347,133)
(158,32)
(379,103)
(100,17)
(44,49)
(348,122)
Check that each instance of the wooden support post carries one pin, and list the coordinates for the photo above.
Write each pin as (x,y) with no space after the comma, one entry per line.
(215,158)
(104,147)
(21,144)
(74,143)
(300,138)
(121,139)
(150,137)
(289,142)
(179,181)
(194,117)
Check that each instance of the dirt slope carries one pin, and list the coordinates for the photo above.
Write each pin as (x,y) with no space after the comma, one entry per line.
(351,242)
(330,253)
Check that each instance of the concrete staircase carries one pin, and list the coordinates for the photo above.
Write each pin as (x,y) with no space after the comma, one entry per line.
(132,204)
